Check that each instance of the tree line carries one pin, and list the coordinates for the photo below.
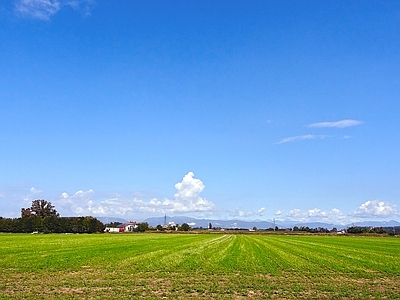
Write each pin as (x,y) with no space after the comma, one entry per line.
(43,217)
(174,227)
(391,230)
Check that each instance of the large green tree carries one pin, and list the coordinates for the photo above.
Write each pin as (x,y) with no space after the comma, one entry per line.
(185,227)
(40,208)
(142,227)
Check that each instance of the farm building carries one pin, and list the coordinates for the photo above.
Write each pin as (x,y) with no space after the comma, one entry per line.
(130,226)
(125,227)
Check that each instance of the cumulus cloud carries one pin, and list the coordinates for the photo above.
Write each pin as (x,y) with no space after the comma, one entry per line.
(187,196)
(301,138)
(45,9)
(377,209)
(316,214)
(295,214)
(79,203)
(337,124)
(187,199)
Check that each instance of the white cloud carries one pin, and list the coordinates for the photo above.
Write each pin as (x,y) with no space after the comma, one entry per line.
(301,138)
(316,214)
(187,196)
(45,9)
(31,195)
(82,204)
(238,212)
(187,199)
(38,9)
(278,213)
(376,208)
(34,191)
(295,214)
(79,203)
(337,124)
(261,211)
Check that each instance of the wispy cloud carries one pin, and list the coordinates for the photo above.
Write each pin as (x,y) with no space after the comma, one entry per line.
(298,138)
(37,9)
(45,9)
(376,209)
(337,124)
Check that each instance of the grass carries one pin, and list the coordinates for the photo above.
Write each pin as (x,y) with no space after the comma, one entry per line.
(206,266)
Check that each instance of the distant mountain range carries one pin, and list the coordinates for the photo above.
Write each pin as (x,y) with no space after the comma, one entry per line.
(107,220)
(235,223)
(376,223)
(193,222)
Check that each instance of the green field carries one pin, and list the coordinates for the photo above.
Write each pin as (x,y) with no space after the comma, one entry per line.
(207,266)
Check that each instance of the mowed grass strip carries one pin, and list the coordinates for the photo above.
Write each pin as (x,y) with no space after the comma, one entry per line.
(208,266)
(360,255)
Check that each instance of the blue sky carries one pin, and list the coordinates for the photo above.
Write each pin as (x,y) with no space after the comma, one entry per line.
(215,109)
